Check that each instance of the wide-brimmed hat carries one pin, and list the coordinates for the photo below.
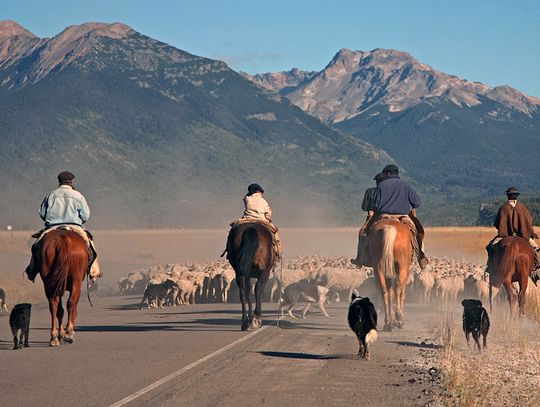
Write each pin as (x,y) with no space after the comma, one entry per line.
(512,191)
(65,177)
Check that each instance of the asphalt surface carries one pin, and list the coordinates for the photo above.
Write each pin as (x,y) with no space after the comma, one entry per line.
(120,350)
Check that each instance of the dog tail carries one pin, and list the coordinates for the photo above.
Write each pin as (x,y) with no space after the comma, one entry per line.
(371,336)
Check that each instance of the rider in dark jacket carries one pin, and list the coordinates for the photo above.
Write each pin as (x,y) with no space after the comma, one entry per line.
(394,196)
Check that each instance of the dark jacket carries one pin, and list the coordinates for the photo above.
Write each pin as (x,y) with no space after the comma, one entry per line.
(395,196)
(367,202)
(510,220)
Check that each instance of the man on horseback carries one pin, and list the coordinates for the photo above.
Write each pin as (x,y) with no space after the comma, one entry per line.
(395,197)
(64,206)
(514,219)
(257,208)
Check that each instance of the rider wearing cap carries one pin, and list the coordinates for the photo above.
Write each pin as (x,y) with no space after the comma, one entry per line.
(394,196)
(65,206)
(256,207)
(514,219)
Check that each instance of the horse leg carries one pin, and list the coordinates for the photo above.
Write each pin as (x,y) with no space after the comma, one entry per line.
(72,302)
(259,288)
(400,301)
(385,298)
(523,283)
(510,294)
(60,317)
(53,308)
(240,281)
(391,301)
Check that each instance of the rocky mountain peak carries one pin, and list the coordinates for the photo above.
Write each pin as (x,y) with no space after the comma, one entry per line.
(9,28)
(75,32)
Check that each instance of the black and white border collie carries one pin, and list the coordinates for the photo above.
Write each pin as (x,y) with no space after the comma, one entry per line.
(363,321)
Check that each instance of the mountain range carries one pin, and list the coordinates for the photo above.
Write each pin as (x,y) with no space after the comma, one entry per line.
(462,140)
(158,137)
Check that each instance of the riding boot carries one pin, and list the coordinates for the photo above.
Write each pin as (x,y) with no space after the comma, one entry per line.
(31,270)
(93,265)
(362,257)
(422,259)
(489,249)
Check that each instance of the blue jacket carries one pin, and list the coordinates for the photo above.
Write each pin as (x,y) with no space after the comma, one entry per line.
(64,205)
(394,196)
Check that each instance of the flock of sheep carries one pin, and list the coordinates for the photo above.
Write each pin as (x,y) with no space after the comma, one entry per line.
(175,284)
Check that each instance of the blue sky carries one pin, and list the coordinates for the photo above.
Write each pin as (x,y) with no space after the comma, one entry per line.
(496,42)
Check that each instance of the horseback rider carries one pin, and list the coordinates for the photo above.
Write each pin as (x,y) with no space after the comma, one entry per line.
(65,206)
(395,197)
(256,207)
(367,206)
(514,219)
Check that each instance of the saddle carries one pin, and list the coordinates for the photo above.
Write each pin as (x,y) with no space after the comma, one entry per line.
(273,229)
(405,220)
(89,238)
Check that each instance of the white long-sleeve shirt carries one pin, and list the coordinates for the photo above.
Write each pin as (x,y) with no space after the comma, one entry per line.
(257,207)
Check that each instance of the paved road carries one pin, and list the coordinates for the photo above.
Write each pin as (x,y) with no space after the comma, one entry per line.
(120,350)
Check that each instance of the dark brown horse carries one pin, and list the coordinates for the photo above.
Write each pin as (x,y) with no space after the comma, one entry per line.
(512,262)
(251,254)
(63,263)
(390,246)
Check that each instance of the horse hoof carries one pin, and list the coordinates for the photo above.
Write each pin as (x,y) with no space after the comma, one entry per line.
(245,326)
(69,338)
(387,328)
(54,342)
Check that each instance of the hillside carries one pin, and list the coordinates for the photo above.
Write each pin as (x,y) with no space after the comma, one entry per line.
(158,137)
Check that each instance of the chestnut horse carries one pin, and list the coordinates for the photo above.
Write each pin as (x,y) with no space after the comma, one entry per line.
(63,263)
(512,262)
(390,248)
(251,255)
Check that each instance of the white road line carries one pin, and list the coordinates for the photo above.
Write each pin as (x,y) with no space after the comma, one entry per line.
(168,378)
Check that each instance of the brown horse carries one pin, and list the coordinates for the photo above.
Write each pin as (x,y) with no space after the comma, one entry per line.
(512,262)
(390,247)
(63,263)
(251,254)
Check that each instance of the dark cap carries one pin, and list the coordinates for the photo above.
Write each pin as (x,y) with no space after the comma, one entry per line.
(254,188)
(391,168)
(512,191)
(379,177)
(65,177)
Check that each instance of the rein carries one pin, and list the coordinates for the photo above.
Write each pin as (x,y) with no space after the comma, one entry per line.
(280,290)
(88,292)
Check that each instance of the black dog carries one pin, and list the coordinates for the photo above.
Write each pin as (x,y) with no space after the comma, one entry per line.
(475,321)
(20,319)
(363,321)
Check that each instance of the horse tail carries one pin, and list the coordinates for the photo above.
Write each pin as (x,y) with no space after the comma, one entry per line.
(507,263)
(248,248)
(389,237)
(57,281)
